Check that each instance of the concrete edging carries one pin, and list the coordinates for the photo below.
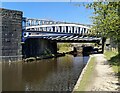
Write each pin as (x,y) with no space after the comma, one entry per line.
(81,75)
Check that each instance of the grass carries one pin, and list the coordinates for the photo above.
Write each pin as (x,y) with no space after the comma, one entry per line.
(114,61)
(110,54)
(65,49)
(87,75)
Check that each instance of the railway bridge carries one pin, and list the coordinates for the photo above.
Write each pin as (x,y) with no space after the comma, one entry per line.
(33,37)
(39,35)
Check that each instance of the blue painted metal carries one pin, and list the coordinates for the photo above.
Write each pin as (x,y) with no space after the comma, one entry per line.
(40,34)
(54,34)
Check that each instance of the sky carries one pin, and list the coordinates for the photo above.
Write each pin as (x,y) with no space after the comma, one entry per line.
(57,11)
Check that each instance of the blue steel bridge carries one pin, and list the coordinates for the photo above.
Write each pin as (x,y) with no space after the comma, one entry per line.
(38,35)
(57,31)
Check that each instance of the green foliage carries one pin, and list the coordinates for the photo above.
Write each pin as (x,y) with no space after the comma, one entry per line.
(85,81)
(110,54)
(106,19)
(114,60)
(47,52)
(64,47)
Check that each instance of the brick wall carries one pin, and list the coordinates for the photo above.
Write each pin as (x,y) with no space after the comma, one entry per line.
(11,35)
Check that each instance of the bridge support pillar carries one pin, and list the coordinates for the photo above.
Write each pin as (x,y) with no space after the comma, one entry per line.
(10,35)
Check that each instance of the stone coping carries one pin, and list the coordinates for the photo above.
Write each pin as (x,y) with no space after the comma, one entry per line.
(81,76)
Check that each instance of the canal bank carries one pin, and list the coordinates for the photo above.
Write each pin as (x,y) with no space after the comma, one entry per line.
(102,77)
(47,56)
(84,78)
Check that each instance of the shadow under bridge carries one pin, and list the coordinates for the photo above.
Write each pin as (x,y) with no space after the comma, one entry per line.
(37,43)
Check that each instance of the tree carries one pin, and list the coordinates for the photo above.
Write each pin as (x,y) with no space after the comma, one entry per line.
(106,20)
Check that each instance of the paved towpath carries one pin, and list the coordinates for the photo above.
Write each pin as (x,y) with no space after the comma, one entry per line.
(104,77)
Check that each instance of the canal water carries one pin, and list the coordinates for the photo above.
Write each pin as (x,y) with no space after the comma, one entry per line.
(56,74)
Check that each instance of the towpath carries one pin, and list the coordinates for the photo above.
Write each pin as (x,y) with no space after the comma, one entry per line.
(104,77)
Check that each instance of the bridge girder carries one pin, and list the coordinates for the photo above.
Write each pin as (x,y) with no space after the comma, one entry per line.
(61,37)
(57,31)
(54,26)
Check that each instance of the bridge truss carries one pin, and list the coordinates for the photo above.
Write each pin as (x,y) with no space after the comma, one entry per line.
(57,31)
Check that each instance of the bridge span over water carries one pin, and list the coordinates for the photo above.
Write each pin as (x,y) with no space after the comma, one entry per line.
(33,37)
(57,31)
(41,35)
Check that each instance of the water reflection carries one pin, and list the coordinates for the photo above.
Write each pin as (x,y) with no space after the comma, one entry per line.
(59,74)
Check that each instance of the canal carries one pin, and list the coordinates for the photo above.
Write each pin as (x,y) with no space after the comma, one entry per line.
(56,74)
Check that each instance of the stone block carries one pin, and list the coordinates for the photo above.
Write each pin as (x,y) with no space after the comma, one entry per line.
(11,30)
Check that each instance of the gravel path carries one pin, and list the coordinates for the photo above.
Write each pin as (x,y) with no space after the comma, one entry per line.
(104,77)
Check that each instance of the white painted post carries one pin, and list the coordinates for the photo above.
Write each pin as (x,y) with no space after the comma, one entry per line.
(77,30)
(74,29)
(39,22)
(55,29)
(80,30)
(30,23)
(83,31)
(68,29)
(64,29)
(61,28)
(86,31)
(58,29)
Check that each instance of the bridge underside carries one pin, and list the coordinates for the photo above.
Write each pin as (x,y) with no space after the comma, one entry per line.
(68,40)
(61,37)
(73,39)
(35,47)
(45,43)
